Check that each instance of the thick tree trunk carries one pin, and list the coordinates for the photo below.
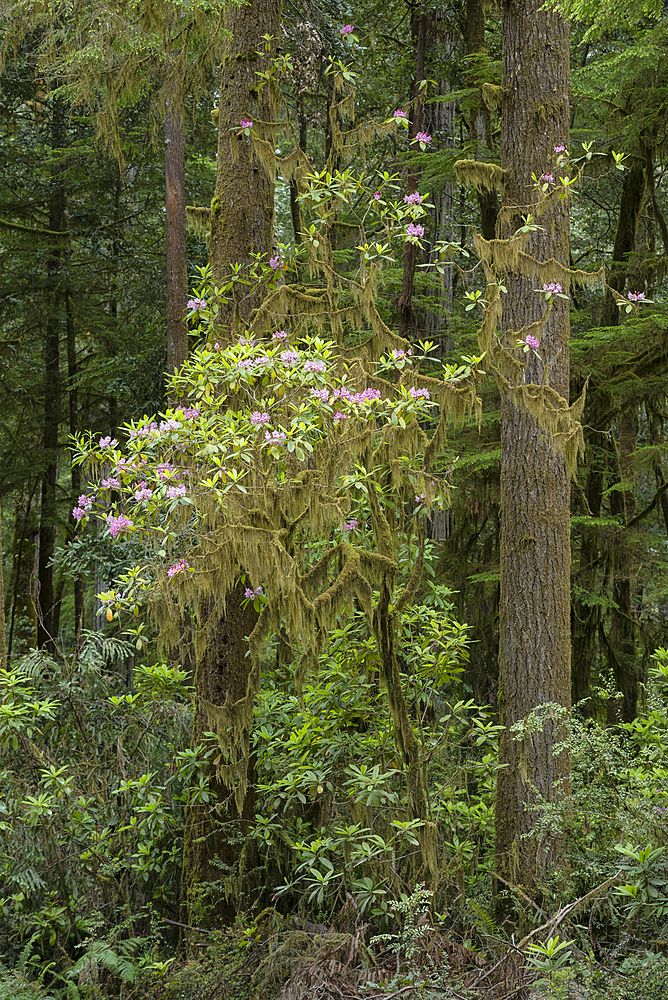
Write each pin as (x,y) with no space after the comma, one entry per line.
(215,832)
(534,641)
(241,228)
(242,210)
(175,242)
(20,606)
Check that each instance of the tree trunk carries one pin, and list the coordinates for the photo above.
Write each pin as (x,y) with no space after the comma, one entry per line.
(215,831)
(175,242)
(3,636)
(406,318)
(242,210)
(46,638)
(480,126)
(534,640)
(241,227)
(622,646)
(76,469)
(633,197)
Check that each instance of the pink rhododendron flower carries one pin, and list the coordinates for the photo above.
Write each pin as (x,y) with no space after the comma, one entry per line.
(554,287)
(350,525)
(143,492)
(279,335)
(399,114)
(108,442)
(347,29)
(117,524)
(418,393)
(196,303)
(415,229)
(560,148)
(376,196)
(549,178)
(422,137)
(635,296)
(176,491)
(321,394)
(314,366)
(532,341)
(78,513)
(288,357)
(258,418)
(275,437)
(245,123)
(179,567)
(275,262)
(111,483)
(413,199)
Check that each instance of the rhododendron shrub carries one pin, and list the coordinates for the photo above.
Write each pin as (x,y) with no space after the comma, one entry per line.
(289,471)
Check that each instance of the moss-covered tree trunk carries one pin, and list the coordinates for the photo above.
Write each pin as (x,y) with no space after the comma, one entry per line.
(241,227)
(216,830)
(534,641)
(242,210)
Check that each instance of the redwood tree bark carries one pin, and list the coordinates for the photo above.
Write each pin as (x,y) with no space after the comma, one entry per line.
(534,640)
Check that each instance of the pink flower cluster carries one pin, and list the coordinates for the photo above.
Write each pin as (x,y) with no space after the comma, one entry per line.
(289,357)
(108,442)
(190,414)
(179,567)
(245,123)
(532,342)
(418,393)
(275,262)
(196,303)
(347,29)
(321,394)
(279,335)
(179,490)
(413,199)
(253,593)
(422,137)
(356,398)
(275,437)
(560,148)
(635,296)
(111,483)
(415,229)
(116,524)
(399,114)
(85,504)
(314,366)
(549,178)
(376,196)
(143,492)
(350,525)
(258,418)
(553,287)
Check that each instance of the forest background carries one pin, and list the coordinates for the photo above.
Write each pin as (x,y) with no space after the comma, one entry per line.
(286,717)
